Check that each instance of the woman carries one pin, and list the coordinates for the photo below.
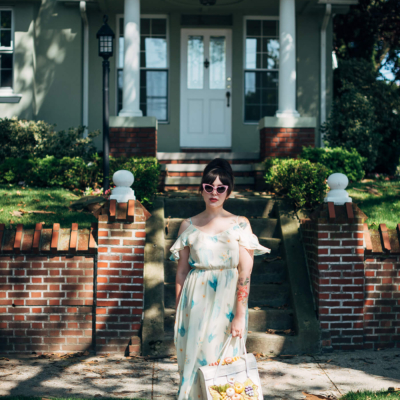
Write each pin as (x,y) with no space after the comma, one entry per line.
(215,258)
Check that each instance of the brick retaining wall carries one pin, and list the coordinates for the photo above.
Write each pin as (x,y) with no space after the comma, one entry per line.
(56,283)
(356,290)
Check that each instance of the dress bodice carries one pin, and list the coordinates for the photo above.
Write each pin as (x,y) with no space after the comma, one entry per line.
(220,251)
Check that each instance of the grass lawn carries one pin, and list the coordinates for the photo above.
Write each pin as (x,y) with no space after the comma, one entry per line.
(15,198)
(368,395)
(381,207)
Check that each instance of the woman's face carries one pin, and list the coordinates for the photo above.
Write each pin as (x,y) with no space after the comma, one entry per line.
(214,199)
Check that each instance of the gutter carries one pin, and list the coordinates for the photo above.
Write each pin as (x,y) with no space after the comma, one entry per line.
(85,80)
(325,21)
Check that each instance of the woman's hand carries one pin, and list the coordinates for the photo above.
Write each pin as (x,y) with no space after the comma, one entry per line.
(238,326)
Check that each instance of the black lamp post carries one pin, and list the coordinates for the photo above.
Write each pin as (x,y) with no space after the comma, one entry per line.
(106,43)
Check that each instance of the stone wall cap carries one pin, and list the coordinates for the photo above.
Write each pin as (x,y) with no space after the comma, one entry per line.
(134,122)
(288,122)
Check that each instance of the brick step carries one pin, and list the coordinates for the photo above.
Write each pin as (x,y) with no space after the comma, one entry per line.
(272,295)
(259,320)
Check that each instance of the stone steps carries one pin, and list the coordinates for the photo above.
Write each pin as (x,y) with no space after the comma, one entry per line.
(263,272)
(261,227)
(258,319)
(268,294)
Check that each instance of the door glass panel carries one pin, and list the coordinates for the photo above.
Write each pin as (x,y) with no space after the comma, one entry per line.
(217,62)
(195,62)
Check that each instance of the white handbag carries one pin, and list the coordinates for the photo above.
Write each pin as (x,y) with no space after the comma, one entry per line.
(235,381)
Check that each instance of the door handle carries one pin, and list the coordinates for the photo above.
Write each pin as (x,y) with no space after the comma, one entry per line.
(228,97)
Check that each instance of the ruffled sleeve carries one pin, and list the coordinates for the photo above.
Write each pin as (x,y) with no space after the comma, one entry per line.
(250,242)
(179,245)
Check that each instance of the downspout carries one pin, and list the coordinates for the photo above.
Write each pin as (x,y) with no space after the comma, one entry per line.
(325,21)
(85,80)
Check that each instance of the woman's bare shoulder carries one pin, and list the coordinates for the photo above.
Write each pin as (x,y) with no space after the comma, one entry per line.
(184,225)
(244,223)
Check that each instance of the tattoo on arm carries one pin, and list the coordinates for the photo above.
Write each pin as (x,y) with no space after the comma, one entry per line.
(243,290)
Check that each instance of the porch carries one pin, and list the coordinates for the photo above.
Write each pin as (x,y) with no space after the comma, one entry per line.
(237,77)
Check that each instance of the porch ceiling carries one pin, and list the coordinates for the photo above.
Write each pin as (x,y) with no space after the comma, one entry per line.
(222,6)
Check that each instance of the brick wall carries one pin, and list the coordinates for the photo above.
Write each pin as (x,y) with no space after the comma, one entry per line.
(281,142)
(341,272)
(130,142)
(56,284)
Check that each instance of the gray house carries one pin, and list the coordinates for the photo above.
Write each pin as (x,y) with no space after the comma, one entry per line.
(189,79)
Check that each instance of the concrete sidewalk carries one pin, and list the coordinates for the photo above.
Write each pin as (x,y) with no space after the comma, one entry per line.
(284,377)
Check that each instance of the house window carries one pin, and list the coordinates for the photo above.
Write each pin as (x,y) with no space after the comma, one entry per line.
(153,67)
(261,69)
(6,49)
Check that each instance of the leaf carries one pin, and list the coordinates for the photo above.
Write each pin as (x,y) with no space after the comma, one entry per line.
(16,214)
(1,210)
(50,196)
(37,200)
(256,308)
(314,396)
(18,193)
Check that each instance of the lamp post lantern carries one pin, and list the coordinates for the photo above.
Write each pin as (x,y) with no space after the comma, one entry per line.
(106,43)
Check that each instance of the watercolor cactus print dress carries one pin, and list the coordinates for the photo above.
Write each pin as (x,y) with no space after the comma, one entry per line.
(208,301)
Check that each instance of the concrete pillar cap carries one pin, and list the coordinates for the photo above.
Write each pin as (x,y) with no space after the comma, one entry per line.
(123,180)
(338,195)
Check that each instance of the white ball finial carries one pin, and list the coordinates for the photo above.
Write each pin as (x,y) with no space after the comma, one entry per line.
(123,180)
(338,195)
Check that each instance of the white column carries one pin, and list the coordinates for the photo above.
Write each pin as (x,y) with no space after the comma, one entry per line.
(287,60)
(131,83)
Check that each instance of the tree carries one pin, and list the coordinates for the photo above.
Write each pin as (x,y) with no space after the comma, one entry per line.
(371,31)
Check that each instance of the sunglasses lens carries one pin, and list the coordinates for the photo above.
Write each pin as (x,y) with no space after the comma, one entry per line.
(221,189)
(208,188)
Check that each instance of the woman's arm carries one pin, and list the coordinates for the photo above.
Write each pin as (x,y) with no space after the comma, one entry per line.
(183,265)
(245,267)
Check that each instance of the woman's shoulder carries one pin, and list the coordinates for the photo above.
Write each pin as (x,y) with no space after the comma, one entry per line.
(244,223)
(184,225)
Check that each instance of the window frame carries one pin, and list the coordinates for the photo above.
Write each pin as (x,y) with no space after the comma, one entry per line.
(9,50)
(152,16)
(245,19)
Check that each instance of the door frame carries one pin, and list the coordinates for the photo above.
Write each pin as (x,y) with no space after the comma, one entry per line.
(183,74)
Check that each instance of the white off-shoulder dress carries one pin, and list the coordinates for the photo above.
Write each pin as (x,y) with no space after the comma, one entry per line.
(208,301)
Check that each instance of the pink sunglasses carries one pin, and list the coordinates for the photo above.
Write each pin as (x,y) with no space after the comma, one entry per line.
(210,188)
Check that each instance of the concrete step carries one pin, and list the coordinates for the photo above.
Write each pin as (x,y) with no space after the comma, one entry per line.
(274,295)
(196,180)
(208,156)
(259,320)
(259,342)
(271,243)
(262,227)
(247,207)
(200,167)
(263,272)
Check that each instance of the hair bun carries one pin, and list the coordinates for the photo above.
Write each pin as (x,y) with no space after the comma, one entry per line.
(220,163)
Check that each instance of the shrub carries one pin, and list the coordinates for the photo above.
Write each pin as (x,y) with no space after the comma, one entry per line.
(301,181)
(338,159)
(26,139)
(365,115)
(75,172)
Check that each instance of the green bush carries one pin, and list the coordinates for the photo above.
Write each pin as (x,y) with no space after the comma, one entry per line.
(338,159)
(365,115)
(75,172)
(301,181)
(26,139)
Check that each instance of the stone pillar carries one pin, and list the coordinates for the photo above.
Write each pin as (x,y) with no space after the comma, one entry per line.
(131,82)
(287,60)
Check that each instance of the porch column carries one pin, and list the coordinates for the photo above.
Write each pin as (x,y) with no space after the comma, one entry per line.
(287,60)
(131,82)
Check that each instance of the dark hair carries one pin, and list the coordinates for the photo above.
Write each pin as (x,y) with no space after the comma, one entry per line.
(218,168)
